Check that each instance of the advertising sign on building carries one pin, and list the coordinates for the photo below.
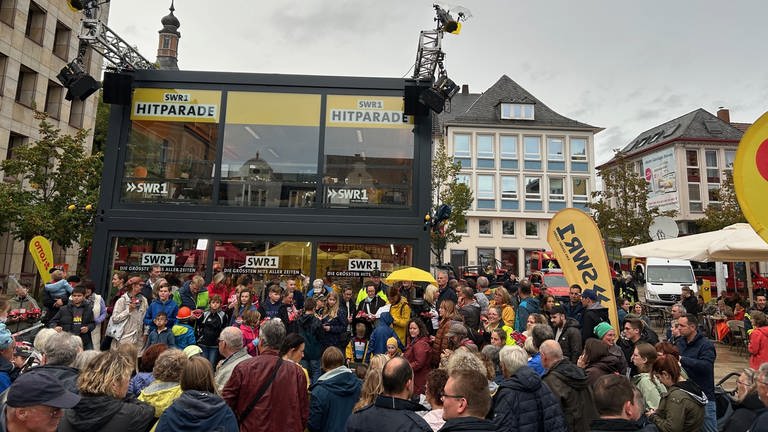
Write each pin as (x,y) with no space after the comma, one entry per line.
(362,112)
(661,176)
(176,105)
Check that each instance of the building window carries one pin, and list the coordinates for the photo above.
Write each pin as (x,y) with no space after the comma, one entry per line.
(464,179)
(578,149)
(485,189)
(76,113)
(61,41)
(556,192)
(555,148)
(166,42)
(7,11)
(53,98)
(508,227)
(713,193)
(533,188)
(458,258)
(580,192)
(484,227)
(35,23)
(730,156)
(461,150)
(25,87)
(694,197)
(485,151)
(3,67)
(532,229)
(508,146)
(14,141)
(532,147)
(509,187)
(486,256)
(517,111)
(713,172)
(692,165)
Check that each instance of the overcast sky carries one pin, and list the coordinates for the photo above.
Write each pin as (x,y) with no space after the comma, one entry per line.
(624,66)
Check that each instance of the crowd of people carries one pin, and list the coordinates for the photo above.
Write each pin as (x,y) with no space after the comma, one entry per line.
(292,355)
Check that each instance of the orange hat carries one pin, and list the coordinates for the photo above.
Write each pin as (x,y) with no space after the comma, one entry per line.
(184,313)
(134,280)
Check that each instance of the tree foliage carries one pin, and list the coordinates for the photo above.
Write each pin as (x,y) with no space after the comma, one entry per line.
(102,124)
(620,209)
(728,212)
(47,186)
(446,189)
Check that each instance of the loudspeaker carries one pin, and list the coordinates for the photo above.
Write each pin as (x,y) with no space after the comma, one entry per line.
(117,88)
(412,93)
(82,87)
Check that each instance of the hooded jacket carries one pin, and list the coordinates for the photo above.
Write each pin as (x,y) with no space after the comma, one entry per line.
(170,308)
(758,347)
(468,424)
(682,409)
(418,353)
(568,383)
(383,331)
(209,327)
(651,389)
(184,297)
(160,394)
(389,413)
(527,306)
(332,398)
(593,315)
(698,360)
(105,413)
(524,403)
(310,328)
(570,340)
(197,411)
(608,364)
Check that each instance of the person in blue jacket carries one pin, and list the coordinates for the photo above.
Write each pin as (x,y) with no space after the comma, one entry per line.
(333,395)
(8,373)
(383,331)
(164,303)
(697,357)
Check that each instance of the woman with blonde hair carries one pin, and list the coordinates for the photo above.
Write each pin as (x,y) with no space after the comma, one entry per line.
(448,315)
(503,299)
(429,314)
(103,385)
(199,408)
(370,389)
(166,387)
(334,322)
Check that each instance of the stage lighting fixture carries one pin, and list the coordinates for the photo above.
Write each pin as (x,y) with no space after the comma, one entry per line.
(447,23)
(435,96)
(78,83)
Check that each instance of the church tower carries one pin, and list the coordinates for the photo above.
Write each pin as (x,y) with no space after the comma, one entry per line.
(168,46)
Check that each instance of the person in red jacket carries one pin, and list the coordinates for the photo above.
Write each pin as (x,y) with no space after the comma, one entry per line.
(758,340)
(418,353)
(285,393)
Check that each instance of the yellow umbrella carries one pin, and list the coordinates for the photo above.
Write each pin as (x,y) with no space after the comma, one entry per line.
(411,274)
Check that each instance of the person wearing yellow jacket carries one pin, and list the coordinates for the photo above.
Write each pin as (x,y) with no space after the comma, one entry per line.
(400,311)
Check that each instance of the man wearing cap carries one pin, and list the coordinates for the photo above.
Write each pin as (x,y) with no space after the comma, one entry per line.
(35,403)
(594,314)
(567,333)
(458,337)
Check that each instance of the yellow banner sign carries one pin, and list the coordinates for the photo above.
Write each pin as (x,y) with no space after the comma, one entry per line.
(42,254)
(176,105)
(750,175)
(578,246)
(366,112)
(273,109)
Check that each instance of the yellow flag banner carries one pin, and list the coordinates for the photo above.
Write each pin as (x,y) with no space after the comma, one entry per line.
(578,246)
(750,175)
(42,253)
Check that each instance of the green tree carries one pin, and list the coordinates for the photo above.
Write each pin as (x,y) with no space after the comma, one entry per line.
(620,209)
(50,188)
(102,124)
(727,212)
(446,189)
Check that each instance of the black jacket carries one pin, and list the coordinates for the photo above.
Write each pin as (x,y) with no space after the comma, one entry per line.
(388,414)
(593,316)
(105,413)
(698,360)
(468,424)
(209,328)
(569,384)
(70,318)
(621,425)
(570,340)
(524,403)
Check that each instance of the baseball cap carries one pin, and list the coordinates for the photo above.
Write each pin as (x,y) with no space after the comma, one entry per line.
(457,329)
(589,294)
(192,350)
(39,388)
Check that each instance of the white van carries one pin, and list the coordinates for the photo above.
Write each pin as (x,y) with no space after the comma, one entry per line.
(665,279)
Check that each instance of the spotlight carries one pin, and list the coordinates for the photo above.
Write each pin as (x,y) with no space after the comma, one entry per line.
(79,84)
(447,23)
(435,96)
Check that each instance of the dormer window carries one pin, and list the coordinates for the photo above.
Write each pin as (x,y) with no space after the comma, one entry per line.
(516,111)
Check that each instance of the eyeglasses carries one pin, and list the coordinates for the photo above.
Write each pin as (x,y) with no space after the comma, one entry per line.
(451,397)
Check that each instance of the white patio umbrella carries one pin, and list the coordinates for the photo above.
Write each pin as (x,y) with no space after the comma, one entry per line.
(737,242)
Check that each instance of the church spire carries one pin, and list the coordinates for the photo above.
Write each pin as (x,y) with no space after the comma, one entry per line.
(168,46)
